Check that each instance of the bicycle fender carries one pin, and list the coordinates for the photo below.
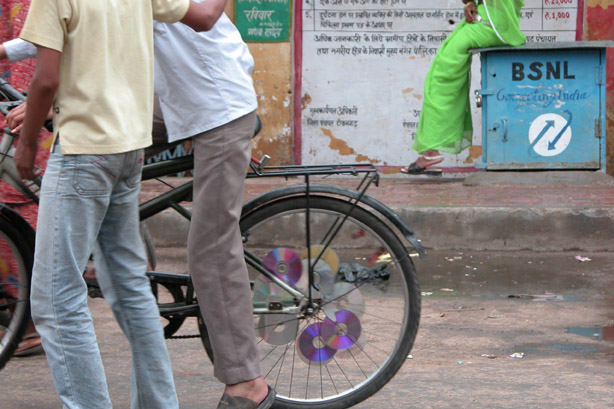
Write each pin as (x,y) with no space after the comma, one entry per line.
(16,219)
(301,190)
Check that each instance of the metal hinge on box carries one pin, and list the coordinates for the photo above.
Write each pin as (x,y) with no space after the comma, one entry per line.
(598,128)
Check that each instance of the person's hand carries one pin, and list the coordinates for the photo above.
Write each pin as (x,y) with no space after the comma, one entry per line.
(24,159)
(15,117)
(470,8)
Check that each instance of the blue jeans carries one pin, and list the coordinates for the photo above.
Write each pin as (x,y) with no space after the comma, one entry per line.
(89,204)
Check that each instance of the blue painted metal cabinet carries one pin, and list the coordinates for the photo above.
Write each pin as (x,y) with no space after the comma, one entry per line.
(543,106)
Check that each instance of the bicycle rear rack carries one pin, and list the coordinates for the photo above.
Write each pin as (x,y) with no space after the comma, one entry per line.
(369,172)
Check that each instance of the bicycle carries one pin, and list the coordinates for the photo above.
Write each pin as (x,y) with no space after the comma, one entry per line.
(336,300)
(16,246)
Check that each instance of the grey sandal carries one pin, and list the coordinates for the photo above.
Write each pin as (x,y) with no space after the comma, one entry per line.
(238,402)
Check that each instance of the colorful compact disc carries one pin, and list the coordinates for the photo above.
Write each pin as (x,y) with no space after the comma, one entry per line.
(343,332)
(311,346)
(266,291)
(323,279)
(284,263)
(344,296)
(278,329)
(328,256)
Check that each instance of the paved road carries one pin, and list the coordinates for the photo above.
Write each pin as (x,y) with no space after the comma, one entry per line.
(560,318)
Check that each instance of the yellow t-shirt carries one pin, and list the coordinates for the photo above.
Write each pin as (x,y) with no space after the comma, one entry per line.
(104,102)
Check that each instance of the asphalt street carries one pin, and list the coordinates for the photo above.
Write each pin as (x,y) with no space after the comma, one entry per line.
(498,330)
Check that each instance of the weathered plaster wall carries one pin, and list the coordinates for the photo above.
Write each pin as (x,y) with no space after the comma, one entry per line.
(599,25)
(274,86)
(275,89)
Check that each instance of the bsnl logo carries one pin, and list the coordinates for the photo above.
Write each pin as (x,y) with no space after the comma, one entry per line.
(537,70)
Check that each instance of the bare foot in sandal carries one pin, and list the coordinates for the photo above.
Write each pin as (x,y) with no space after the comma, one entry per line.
(30,345)
(253,394)
(429,158)
(425,160)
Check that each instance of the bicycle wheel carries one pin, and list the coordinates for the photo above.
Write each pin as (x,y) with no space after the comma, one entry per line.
(16,256)
(364,316)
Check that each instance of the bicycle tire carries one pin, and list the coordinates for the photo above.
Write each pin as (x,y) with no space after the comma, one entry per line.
(388,320)
(17,254)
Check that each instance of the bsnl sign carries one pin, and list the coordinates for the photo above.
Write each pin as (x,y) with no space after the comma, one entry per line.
(543,106)
(537,70)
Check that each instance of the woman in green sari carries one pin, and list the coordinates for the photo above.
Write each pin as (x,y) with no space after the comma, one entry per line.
(445,120)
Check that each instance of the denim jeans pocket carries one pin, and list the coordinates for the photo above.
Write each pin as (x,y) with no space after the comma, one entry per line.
(92,175)
(133,176)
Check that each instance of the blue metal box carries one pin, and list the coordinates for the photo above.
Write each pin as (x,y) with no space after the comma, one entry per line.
(543,106)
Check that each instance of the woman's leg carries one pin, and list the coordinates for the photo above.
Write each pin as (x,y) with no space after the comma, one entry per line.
(445,121)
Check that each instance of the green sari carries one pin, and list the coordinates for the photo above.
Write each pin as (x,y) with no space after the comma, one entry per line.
(445,121)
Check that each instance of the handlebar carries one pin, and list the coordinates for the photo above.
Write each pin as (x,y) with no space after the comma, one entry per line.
(15,98)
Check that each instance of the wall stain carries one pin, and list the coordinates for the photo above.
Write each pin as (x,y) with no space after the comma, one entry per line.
(474,153)
(344,149)
(409,91)
(338,144)
(362,158)
(306,100)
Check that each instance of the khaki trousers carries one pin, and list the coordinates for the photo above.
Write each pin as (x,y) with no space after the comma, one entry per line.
(215,248)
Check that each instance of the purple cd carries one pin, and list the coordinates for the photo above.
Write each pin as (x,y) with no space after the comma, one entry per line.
(343,333)
(284,263)
(311,346)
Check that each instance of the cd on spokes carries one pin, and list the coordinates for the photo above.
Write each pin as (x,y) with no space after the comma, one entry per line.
(327,255)
(344,296)
(311,346)
(323,279)
(342,333)
(284,263)
(267,291)
(278,329)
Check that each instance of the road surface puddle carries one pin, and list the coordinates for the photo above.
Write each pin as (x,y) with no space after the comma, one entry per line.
(601,333)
